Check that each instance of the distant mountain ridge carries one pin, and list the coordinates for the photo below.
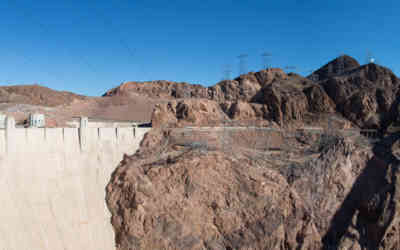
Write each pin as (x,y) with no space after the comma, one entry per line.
(37,95)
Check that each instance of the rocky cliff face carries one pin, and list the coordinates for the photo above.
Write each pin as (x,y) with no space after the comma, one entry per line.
(363,95)
(342,197)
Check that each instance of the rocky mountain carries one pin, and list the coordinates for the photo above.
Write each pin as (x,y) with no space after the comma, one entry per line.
(243,88)
(363,94)
(261,189)
(338,66)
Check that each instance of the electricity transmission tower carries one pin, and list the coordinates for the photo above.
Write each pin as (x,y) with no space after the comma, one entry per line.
(242,64)
(313,76)
(330,69)
(265,60)
(340,64)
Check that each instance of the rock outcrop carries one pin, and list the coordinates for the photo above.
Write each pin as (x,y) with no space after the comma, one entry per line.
(159,89)
(363,95)
(179,113)
(345,198)
(338,66)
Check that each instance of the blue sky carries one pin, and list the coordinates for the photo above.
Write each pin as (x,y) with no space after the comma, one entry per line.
(90,46)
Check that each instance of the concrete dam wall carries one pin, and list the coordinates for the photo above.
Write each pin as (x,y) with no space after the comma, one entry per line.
(52,183)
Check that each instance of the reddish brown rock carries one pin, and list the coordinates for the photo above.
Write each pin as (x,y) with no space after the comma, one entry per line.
(159,89)
(285,102)
(318,100)
(338,66)
(267,76)
(192,112)
(247,111)
(184,199)
(364,95)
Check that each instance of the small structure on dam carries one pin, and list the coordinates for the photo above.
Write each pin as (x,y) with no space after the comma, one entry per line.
(36,120)
(3,121)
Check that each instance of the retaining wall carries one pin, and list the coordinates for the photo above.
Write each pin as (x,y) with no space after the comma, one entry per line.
(52,183)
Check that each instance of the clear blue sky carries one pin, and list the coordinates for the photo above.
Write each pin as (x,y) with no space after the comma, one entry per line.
(90,47)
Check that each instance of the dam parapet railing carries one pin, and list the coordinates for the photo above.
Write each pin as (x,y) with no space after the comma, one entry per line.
(83,139)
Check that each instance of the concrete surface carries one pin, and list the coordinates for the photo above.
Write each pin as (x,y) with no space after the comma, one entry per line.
(52,183)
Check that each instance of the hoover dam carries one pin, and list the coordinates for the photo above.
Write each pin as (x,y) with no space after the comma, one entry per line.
(53,185)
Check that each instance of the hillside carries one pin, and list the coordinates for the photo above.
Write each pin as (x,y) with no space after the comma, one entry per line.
(37,95)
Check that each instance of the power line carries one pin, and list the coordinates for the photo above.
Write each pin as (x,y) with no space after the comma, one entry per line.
(313,76)
(242,64)
(124,44)
(290,69)
(227,71)
(45,29)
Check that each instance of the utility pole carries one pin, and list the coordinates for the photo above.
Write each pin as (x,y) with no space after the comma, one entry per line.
(242,64)
(289,69)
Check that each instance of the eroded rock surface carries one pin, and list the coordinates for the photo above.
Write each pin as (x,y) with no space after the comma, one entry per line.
(342,197)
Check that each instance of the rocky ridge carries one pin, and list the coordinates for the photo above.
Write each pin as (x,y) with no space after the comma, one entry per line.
(363,94)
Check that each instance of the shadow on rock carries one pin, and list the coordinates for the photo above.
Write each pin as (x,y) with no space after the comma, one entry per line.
(370,206)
